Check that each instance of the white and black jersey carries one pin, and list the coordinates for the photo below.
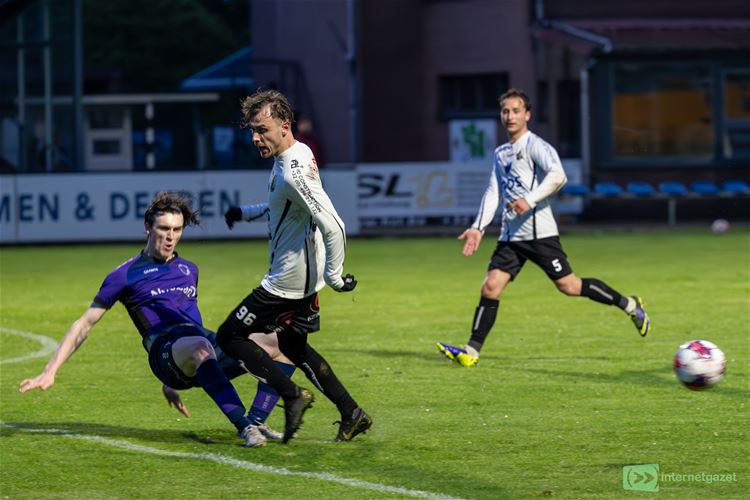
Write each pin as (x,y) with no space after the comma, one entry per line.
(307,241)
(528,168)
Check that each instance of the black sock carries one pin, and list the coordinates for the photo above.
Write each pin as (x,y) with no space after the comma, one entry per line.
(320,373)
(484,319)
(598,291)
(256,361)
(317,370)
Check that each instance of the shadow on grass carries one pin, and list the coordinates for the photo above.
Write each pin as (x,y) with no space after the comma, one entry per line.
(434,354)
(10,429)
(656,377)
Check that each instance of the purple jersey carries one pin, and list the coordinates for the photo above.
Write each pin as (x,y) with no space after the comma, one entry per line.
(156,294)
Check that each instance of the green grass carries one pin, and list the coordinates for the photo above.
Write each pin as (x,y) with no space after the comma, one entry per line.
(565,394)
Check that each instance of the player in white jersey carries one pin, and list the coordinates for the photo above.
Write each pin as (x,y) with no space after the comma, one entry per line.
(307,244)
(526,171)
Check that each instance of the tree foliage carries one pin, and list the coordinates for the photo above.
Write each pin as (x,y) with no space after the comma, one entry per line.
(155,44)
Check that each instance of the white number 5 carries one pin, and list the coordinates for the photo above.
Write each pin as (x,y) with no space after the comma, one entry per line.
(556,264)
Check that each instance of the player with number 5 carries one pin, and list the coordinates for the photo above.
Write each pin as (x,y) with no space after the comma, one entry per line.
(526,172)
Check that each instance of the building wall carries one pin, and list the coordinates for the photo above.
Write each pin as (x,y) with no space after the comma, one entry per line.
(575,9)
(391,70)
(403,48)
(407,46)
(476,36)
(314,34)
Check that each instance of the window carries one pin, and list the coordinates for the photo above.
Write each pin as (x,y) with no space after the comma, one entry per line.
(661,109)
(736,137)
(106,147)
(569,118)
(471,96)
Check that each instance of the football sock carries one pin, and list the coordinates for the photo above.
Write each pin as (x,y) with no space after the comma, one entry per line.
(266,397)
(320,373)
(256,361)
(484,319)
(220,389)
(598,291)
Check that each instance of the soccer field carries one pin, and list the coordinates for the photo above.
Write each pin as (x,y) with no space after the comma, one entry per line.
(565,395)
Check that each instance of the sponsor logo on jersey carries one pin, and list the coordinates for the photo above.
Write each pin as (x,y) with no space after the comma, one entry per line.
(295,164)
(189,291)
(184,269)
(150,270)
(306,193)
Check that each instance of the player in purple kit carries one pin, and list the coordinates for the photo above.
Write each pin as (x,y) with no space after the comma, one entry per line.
(159,289)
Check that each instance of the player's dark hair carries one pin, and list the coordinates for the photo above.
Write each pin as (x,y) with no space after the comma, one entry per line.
(278,103)
(174,203)
(515,93)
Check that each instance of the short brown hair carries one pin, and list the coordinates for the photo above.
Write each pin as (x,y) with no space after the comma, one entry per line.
(174,203)
(515,93)
(253,104)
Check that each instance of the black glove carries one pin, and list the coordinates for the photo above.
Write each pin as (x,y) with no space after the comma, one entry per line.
(349,283)
(234,214)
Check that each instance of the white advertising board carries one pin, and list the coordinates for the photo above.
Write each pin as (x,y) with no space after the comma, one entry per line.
(433,194)
(420,194)
(110,207)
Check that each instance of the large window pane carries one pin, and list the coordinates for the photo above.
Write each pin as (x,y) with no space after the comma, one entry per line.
(737,112)
(661,110)
(471,96)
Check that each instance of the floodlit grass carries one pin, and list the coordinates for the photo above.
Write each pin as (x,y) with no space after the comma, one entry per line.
(565,395)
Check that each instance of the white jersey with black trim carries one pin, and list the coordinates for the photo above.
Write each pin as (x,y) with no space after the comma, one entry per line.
(307,241)
(528,168)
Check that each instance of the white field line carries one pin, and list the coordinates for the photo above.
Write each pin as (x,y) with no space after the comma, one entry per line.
(48,345)
(233,462)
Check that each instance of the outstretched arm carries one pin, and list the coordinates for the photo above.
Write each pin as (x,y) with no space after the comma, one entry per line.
(473,237)
(76,335)
(174,399)
(247,213)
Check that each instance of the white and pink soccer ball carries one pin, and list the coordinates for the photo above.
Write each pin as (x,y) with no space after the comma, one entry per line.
(720,226)
(699,364)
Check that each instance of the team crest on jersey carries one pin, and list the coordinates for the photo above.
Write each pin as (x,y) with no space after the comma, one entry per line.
(184,269)
(519,156)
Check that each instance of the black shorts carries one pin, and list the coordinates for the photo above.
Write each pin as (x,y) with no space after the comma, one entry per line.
(291,319)
(547,253)
(262,311)
(160,359)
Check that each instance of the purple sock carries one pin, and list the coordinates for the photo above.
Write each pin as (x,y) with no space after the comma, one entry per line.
(217,385)
(266,397)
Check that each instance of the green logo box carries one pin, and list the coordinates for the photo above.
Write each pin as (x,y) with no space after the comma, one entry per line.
(642,477)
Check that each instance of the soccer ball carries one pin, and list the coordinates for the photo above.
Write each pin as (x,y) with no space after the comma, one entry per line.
(699,364)
(720,226)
